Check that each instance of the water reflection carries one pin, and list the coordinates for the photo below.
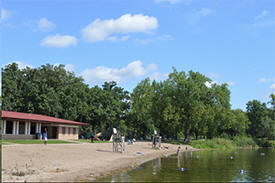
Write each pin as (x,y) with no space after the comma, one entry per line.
(178,162)
(212,166)
(156,164)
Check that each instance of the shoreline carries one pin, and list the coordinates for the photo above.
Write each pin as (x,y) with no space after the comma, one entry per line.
(125,169)
(75,162)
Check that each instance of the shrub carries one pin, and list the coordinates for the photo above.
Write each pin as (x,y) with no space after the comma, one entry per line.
(225,136)
(215,143)
(244,141)
(262,142)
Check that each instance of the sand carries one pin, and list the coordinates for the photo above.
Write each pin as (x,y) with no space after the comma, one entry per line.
(73,162)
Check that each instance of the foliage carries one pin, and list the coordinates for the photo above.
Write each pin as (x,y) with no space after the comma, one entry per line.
(244,141)
(264,142)
(185,105)
(215,143)
(262,119)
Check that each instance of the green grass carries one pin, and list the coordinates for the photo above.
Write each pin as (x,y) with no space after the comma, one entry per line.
(224,144)
(215,143)
(34,141)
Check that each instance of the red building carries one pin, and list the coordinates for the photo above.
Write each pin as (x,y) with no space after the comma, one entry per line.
(18,125)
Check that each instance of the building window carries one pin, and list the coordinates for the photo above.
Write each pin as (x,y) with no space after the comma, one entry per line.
(69,129)
(9,126)
(74,131)
(33,125)
(63,130)
(21,128)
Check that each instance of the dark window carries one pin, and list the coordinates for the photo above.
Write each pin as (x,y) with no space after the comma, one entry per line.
(74,131)
(21,127)
(33,128)
(69,130)
(9,125)
(63,130)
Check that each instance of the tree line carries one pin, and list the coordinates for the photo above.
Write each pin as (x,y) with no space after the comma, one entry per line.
(185,105)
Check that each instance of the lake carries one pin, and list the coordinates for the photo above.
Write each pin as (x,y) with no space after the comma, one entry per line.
(242,165)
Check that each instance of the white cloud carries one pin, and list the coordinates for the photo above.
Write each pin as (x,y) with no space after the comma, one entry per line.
(262,15)
(58,41)
(265,80)
(101,73)
(5,14)
(121,39)
(164,37)
(272,86)
(151,67)
(214,75)
(100,30)
(209,84)
(169,1)
(45,25)
(159,76)
(231,83)
(21,64)
(197,15)
(203,12)
(68,67)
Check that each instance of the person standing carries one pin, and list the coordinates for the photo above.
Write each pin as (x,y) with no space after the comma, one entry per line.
(178,151)
(45,136)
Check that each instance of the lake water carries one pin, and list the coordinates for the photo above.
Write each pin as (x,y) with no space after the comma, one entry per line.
(243,165)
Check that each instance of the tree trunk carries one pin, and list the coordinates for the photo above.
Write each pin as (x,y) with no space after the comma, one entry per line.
(187,136)
(197,134)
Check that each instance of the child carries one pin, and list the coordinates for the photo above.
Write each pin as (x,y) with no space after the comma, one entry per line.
(178,151)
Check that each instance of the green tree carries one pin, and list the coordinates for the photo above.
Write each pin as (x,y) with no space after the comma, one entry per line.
(262,124)
(141,107)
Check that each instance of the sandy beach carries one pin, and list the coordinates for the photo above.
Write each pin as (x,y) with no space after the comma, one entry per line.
(73,162)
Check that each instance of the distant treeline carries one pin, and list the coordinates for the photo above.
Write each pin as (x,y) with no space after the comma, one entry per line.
(184,105)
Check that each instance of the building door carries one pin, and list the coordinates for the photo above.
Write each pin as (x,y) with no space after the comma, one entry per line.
(9,127)
(54,132)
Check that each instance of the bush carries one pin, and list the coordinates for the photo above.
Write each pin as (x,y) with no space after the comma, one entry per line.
(225,136)
(215,143)
(263,142)
(244,141)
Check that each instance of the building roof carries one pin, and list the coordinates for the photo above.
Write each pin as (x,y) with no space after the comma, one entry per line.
(20,116)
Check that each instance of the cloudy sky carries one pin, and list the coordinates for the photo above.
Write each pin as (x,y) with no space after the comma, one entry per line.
(126,41)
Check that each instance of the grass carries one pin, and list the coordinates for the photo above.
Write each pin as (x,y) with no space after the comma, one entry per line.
(215,143)
(34,141)
(223,144)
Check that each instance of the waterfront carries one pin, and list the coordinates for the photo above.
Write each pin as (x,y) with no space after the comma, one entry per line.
(242,165)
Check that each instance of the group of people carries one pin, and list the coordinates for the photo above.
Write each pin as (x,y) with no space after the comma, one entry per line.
(131,141)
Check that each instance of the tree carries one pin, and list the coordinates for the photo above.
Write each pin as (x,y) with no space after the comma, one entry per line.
(141,107)
(48,90)
(238,123)
(262,124)
(109,107)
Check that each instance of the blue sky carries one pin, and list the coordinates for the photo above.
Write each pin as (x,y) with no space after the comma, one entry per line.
(230,41)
